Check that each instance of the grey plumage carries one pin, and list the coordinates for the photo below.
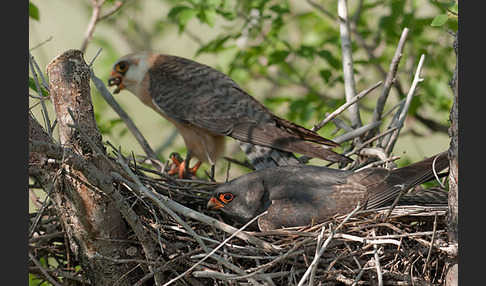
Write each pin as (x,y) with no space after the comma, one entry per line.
(299,195)
(220,106)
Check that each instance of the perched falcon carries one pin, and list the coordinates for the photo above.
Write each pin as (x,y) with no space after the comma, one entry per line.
(205,105)
(304,194)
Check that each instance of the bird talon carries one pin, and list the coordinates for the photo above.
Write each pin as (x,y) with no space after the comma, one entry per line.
(178,166)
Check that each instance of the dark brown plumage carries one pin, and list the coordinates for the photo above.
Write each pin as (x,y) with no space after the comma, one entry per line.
(206,105)
(300,195)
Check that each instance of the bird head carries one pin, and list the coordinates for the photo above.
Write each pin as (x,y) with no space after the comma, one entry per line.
(129,71)
(241,199)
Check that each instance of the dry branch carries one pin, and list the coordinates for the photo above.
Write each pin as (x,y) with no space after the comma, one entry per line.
(390,77)
(344,107)
(105,93)
(389,141)
(348,73)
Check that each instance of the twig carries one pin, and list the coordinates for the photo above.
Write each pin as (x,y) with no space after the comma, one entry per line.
(434,229)
(44,205)
(40,44)
(178,208)
(47,275)
(162,205)
(318,246)
(45,114)
(435,173)
(357,13)
(377,163)
(361,271)
(105,93)
(226,276)
(390,77)
(374,152)
(113,10)
(404,110)
(142,234)
(377,261)
(322,10)
(147,193)
(94,58)
(359,147)
(92,23)
(340,124)
(349,84)
(354,257)
(97,17)
(356,132)
(282,257)
(324,246)
(395,202)
(345,106)
(216,249)
(367,240)
(41,74)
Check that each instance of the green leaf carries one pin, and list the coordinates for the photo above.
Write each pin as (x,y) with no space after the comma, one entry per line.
(214,46)
(325,75)
(335,63)
(33,11)
(33,86)
(306,51)
(280,9)
(439,20)
(213,3)
(230,16)
(277,57)
(181,15)
(207,16)
(454,8)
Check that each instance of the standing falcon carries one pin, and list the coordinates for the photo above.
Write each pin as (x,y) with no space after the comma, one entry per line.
(205,105)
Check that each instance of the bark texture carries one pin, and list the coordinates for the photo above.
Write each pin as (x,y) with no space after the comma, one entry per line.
(453,212)
(92,222)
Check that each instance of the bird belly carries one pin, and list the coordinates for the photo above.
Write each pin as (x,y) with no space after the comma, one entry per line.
(205,146)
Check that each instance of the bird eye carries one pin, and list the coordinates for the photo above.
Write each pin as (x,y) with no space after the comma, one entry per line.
(121,67)
(226,197)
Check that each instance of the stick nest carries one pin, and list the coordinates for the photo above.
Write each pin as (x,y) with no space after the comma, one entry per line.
(407,248)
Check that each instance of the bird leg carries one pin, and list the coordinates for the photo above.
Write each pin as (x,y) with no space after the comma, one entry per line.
(211,173)
(181,167)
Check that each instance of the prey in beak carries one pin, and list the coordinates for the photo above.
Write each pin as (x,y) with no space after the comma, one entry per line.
(117,80)
(214,204)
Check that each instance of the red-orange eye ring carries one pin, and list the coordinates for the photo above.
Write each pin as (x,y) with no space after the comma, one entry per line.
(226,197)
(121,67)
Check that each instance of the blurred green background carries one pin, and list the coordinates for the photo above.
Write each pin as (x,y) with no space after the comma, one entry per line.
(287,54)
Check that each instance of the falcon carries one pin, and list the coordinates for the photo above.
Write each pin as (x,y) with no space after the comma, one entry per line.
(304,194)
(205,105)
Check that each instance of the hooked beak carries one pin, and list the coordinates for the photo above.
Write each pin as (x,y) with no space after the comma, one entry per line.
(214,204)
(117,80)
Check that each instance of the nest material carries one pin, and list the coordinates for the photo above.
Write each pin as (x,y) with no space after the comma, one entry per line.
(409,247)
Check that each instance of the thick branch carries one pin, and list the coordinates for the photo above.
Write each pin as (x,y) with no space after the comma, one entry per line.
(348,74)
(453,153)
(92,221)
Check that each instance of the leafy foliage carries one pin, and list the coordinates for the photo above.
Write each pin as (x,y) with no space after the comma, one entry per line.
(273,41)
(33,11)
(288,53)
